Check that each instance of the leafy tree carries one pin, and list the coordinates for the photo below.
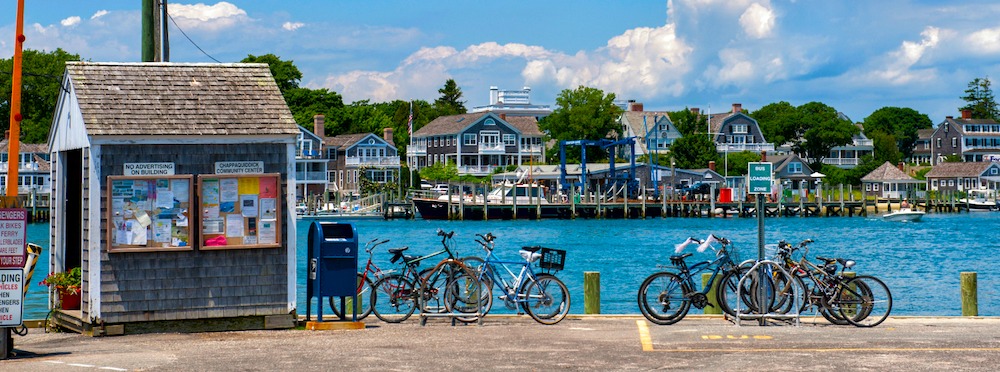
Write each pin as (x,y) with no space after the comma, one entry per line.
(779,122)
(885,149)
(953,159)
(306,103)
(694,151)
(450,102)
(822,130)
(583,113)
(370,187)
(440,172)
(980,100)
(903,123)
(736,162)
(286,75)
(360,117)
(835,175)
(41,84)
(687,122)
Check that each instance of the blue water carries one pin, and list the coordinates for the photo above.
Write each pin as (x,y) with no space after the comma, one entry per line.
(919,261)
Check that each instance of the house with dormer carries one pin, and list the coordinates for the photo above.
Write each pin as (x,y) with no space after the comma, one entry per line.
(33,167)
(653,131)
(973,140)
(964,176)
(352,156)
(792,172)
(922,147)
(311,161)
(477,143)
(736,131)
(849,156)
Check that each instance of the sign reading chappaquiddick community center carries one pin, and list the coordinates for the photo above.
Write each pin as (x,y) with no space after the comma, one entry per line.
(239,167)
(759,177)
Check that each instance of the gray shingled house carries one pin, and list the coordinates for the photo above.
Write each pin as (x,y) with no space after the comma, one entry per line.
(477,143)
(889,181)
(185,119)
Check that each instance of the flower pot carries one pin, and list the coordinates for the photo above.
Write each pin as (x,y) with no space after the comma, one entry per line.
(69,300)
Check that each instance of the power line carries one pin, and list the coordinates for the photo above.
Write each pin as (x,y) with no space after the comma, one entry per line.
(189,38)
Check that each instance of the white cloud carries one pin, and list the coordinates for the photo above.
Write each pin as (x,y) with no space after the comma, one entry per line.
(898,69)
(292,26)
(985,41)
(216,17)
(70,22)
(99,14)
(757,21)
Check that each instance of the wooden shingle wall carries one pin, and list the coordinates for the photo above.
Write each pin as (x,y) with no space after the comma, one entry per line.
(148,286)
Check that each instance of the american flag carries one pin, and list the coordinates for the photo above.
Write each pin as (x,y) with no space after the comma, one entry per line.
(409,119)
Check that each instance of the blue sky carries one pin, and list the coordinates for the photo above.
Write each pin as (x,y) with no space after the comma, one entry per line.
(856,56)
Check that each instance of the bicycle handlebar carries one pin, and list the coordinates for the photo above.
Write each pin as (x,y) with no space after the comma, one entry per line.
(370,246)
(445,235)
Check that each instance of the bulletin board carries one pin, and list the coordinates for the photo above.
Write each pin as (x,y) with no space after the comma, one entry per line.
(150,213)
(240,211)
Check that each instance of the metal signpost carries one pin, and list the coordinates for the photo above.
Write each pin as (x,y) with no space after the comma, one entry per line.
(759,181)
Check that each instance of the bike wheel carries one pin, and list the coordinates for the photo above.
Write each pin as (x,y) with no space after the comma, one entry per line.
(484,273)
(865,301)
(788,293)
(364,307)
(432,285)
(828,309)
(662,298)
(726,293)
(393,298)
(465,292)
(546,299)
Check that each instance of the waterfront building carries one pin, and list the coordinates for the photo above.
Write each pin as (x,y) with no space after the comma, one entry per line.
(849,156)
(513,103)
(892,182)
(964,176)
(653,131)
(477,142)
(922,147)
(33,166)
(173,190)
(973,140)
(793,174)
(311,161)
(736,131)
(361,155)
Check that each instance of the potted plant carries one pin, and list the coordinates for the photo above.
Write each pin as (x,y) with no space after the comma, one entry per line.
(67,286)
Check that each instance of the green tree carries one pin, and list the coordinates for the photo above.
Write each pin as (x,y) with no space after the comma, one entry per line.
(823,128)
(885,149)
(306,103)
(41,84)
(980,100)
(360,117)
(440,172)
(582,114)
(450,102)
(286,75)
(686,121)
(694,151)
(779,122)
(736,162)
(901,122)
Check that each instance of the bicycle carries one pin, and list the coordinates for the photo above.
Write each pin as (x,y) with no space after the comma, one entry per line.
(863,300)
(665,297)
(542,296)
(449,286)
(363,306)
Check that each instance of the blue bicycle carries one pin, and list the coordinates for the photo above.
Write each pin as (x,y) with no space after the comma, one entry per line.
(541,295)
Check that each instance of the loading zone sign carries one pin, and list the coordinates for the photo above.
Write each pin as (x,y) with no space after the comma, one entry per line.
(759,178)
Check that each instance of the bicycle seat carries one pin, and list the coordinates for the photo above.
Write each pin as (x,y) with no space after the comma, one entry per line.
(825,259)
(680,256)
(530,256)
(398,250)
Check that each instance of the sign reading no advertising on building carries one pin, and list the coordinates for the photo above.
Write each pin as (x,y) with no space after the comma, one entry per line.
(13,229)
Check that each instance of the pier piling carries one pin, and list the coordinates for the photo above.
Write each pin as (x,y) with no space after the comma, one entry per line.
(970,297)
(591,292)
(713,302)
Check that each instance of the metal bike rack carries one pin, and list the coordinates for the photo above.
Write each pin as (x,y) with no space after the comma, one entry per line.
(795,288)
(424,315)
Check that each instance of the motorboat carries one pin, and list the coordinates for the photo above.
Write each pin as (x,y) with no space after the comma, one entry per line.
(904,215)
(506,194)
(981,201)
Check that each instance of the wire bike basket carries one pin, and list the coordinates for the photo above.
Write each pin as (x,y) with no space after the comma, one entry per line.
(551,259)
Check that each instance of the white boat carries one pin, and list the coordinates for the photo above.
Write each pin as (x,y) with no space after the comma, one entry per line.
(981,201)
(904,215)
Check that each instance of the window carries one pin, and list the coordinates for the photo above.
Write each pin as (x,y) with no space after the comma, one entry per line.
(954,141)
(874,187)
(739,128)
(489,138)
(508,140)
(993,171)
(490,122)
(868,187)
(469,139)
(951,182)
(927,146)
(934,184)
(795,167)
(938,143)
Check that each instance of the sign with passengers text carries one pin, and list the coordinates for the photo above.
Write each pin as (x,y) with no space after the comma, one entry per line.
(759,178)
(13,229)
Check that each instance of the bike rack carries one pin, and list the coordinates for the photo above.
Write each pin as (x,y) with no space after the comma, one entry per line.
(424,315)
(797,305)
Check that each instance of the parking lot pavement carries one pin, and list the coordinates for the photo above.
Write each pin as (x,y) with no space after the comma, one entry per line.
(577,343)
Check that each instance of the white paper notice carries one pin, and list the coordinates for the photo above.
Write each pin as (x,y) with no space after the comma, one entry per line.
(248,205)
(164,199)
(161,231)
(267,232)
(229,190)
(143,218)
(234,226)
(180,190)
(212,226)
(267,208)
(138,234)
(211,211)
(210,192)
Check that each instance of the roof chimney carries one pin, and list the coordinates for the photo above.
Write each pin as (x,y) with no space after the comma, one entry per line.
(318,127)
(900,166)
(949,117)
(387,135)
(696,111)
(966,114)
(763,156)
(6,135)
(711,166)
(737,108)
(503,116)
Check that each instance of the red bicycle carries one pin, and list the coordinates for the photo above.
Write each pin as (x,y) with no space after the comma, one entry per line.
(364,307)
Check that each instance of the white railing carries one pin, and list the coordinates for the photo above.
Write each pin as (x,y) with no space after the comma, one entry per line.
(531,149)
(416,150)
(23,166)
(492,148)
(388,161)
(840,161)
(863,142)
(476,170)
(738,147)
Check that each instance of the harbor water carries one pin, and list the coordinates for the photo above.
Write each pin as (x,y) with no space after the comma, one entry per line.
(920,261)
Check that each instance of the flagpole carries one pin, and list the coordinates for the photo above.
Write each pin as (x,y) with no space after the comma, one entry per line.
(409,123)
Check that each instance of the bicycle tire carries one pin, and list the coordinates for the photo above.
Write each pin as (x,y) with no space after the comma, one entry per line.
(364,300)
(670,300)
(725,294)
(478,266)
(786,295)
(865,301)
(546,299)
(431,301)
(399,298)
(464,293)
(827,308)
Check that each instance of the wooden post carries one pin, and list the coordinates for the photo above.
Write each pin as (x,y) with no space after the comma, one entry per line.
(643,202)
(572,202)
(598,199)
(970,298)
(713,302)
(591,292)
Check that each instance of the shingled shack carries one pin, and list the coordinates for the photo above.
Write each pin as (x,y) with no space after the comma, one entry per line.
(171,190)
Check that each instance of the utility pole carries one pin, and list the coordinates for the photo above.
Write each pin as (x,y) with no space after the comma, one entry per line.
(13,158)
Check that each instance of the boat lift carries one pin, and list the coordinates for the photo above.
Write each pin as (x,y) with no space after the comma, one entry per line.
(626,180)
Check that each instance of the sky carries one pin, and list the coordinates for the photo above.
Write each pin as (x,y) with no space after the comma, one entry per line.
(856,56)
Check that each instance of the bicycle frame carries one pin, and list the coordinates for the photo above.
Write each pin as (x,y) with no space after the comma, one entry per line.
(526,274)
(687,273)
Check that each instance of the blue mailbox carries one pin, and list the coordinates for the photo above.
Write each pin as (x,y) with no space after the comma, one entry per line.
(333,265)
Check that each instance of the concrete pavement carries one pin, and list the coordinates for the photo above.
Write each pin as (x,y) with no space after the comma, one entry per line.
(518,343)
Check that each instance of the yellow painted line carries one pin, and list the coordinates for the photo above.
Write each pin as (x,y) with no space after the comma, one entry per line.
(644,339)
(818,350)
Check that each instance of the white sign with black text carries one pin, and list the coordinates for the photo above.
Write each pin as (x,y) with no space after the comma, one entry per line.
(148,169)
(239,167)
(11,297)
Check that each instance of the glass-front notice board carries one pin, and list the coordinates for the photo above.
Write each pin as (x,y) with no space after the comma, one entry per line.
(240,211)
(149,213)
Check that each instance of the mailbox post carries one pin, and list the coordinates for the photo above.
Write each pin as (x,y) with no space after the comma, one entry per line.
(332,265)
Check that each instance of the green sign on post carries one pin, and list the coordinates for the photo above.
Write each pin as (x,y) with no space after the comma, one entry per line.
(759,178)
